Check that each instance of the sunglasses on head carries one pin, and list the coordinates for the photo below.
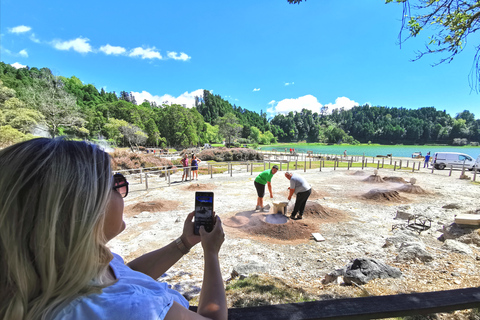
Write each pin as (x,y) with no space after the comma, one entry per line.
(120,184)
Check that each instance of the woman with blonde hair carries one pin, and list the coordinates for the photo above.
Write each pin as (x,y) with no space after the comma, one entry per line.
(59,206)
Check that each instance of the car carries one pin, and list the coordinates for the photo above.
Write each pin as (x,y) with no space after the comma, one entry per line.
(442,160)
(417,155)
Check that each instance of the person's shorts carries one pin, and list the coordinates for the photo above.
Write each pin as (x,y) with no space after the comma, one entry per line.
(186,169)
(194,168)
(260,189)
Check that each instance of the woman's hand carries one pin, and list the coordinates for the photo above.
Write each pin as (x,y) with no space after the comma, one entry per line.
(189,239)
(212,241)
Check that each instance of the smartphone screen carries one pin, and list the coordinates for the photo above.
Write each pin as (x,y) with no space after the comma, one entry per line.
(203,211)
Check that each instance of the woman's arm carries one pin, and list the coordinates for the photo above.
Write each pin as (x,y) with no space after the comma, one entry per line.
(157,262)
(213,302)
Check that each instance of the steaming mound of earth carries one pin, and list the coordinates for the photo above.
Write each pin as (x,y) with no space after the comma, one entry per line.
(395,179)
(268,226)
(409,188)
(383,195)
(199,186)
(374,178)
(151,206)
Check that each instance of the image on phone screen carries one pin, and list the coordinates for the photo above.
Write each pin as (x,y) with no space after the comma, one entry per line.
(203,211)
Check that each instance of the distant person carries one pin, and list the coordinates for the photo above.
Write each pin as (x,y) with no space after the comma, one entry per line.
(345,153)
(60,206)
(184,162)
(290,150)
(261,180)
(302,189)
(195,162)
(427,160)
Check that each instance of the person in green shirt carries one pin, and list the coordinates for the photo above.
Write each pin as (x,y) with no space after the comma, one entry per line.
(261,180)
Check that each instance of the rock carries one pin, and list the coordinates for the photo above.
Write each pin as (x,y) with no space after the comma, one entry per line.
(332,276)
(413,250)
(362,270)
(249,268)
(452,206)
(454,231)
(456,246)
(401,237)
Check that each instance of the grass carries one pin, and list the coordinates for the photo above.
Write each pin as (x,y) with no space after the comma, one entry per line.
(257,290)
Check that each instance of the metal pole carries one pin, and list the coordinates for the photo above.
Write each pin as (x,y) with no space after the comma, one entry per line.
(141,172)
(146,181)
(168,176)
(305,166)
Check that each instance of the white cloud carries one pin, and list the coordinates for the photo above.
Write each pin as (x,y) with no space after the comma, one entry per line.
(256,89)
(23,53)
(80,45)
(341,102)
(148,53)
(108,49)
(19,29)
(306,102)
(182,56)
(33,38)
(289,83)
(17,65)
(186,98)
(309,102)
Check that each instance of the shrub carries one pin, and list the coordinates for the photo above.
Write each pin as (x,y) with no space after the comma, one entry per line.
(122,160)
(226,154)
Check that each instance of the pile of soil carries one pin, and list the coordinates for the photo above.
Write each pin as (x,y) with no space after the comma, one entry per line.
(359,173)
(199,186)
(313,196)
(317,211)
(383,195)
(411,188)
(151,206)
(374,178)
(395,179)
(292,230)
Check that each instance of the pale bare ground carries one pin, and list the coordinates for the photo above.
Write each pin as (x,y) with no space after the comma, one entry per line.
(353,226)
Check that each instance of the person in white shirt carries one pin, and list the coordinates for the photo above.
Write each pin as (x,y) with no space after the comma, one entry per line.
(302,190)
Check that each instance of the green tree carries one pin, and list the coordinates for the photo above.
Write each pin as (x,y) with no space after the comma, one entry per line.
(229,127)
(254,134)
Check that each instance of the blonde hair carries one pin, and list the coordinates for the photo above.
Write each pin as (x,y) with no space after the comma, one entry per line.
(53,197)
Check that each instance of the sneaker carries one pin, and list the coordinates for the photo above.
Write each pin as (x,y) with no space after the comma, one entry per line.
(258,208)
(265,209)
(300,217)
(292,217)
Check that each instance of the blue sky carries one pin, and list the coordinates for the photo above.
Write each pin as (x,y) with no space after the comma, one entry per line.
(260,55)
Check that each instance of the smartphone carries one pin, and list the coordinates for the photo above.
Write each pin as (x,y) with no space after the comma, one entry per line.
(204,215)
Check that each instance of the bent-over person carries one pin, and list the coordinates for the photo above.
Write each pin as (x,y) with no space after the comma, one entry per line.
(302,189)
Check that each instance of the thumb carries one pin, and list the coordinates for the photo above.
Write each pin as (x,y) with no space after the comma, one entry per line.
(202,231)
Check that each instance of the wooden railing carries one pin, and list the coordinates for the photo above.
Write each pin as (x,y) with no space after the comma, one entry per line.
(364,308)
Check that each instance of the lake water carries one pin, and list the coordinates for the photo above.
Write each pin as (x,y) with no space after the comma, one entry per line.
(374,150)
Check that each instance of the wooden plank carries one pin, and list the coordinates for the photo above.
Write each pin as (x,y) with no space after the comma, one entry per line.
(470,219)
(318,237)
(365,308)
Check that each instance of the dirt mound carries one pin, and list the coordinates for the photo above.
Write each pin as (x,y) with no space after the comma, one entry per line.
(374,178)
(359,173)
(317,211)
(199,186)
(383,195)
(410,188)
(288,231)
(395,179)
(151,206)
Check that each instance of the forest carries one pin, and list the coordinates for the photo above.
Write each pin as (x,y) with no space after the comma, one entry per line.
(34,102)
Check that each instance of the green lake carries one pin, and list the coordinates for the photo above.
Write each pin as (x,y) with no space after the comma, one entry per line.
(373,150)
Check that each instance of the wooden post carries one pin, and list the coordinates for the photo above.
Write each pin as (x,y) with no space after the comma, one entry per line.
(305,166)
(366,162)
(280,165)
(463,169)
(211,171)
(413,167)
(231,169)
(363,163)
(251,169)
(400,166)
(310,163)
(378,164)
(334,164)
(288,165)
(432,169)
(168,174)
(348,165)
(419,162)
(146,181)
(450,174)
(320,164)
(296,164)
(407,163)
(474,173)
(141,172)
(390,160)
(383,161)
(395,166)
